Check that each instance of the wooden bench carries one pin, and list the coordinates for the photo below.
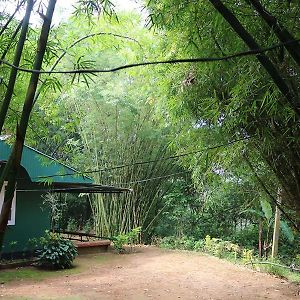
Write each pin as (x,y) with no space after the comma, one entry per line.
(92,246)
(86,242)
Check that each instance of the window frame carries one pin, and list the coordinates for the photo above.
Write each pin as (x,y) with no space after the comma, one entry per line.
(12,220)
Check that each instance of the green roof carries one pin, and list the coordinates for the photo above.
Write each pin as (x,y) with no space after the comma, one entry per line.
(41,167)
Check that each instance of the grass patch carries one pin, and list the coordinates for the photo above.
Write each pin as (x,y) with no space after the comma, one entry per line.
(291,276)
(32,273)
(81,264)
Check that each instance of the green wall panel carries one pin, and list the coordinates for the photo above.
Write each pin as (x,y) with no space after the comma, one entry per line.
(32,219)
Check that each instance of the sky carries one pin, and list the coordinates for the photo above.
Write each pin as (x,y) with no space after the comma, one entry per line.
(64,9)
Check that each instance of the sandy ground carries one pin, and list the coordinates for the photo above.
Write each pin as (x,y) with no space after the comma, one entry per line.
(151,273)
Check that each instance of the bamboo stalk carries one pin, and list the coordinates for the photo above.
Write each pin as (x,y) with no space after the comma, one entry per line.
(12,166)
(262,58)
(13,73)
(11,17)
(281,32)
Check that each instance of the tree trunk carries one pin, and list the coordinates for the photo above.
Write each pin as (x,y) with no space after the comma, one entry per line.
(276,225)
(260,239)
(291,45)
(12,166)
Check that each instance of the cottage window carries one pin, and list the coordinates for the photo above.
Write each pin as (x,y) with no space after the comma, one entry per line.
(12,215)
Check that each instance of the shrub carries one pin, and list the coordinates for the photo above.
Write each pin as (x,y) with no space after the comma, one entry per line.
(297,260)
(168,242)
(129,238)
(119,242)
(199,245)
(187,243)
(56,252)
(133,235)
(213,246)
(246,237)
(183,243)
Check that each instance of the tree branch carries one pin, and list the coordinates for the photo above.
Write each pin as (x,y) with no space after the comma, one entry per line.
(251,52)
(280,31)
(74,44)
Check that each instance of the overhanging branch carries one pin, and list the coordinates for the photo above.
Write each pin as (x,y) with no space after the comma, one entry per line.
(147,63)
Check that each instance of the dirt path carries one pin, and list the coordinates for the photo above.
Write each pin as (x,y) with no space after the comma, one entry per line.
(156,274)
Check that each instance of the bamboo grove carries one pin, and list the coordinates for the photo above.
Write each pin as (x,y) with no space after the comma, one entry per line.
(101,90)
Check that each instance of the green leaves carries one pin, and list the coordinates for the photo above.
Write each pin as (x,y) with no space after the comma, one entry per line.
(86,64)
(267,209)
(53,84)
(287,231)
(129,238)
(56,252)
(92,7)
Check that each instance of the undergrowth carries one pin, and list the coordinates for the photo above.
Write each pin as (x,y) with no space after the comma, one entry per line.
(230,251)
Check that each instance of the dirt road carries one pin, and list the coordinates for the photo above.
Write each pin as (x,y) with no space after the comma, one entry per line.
(152,273)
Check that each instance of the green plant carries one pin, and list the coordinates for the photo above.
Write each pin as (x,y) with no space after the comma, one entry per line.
(122,239)
(12,246)
(56,252)
(32,245)
(247,255)
(213,246)
(133,236)
(119,241)
(297,260)
(187,243)
(167,242)
(72,225)
(199,245)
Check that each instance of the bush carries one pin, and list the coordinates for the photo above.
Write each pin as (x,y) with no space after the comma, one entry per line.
(213,246)
(119,241)
(183,243)
(129,238)
(246,237)
(56,252)
(199,245)
(167,242)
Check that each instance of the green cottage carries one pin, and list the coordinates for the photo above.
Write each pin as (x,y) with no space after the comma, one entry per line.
(39,174)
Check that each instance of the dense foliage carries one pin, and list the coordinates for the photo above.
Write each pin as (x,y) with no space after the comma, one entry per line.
(56,252)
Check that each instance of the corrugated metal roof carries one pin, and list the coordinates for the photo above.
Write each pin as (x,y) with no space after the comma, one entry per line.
(59,187)
(41,167)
